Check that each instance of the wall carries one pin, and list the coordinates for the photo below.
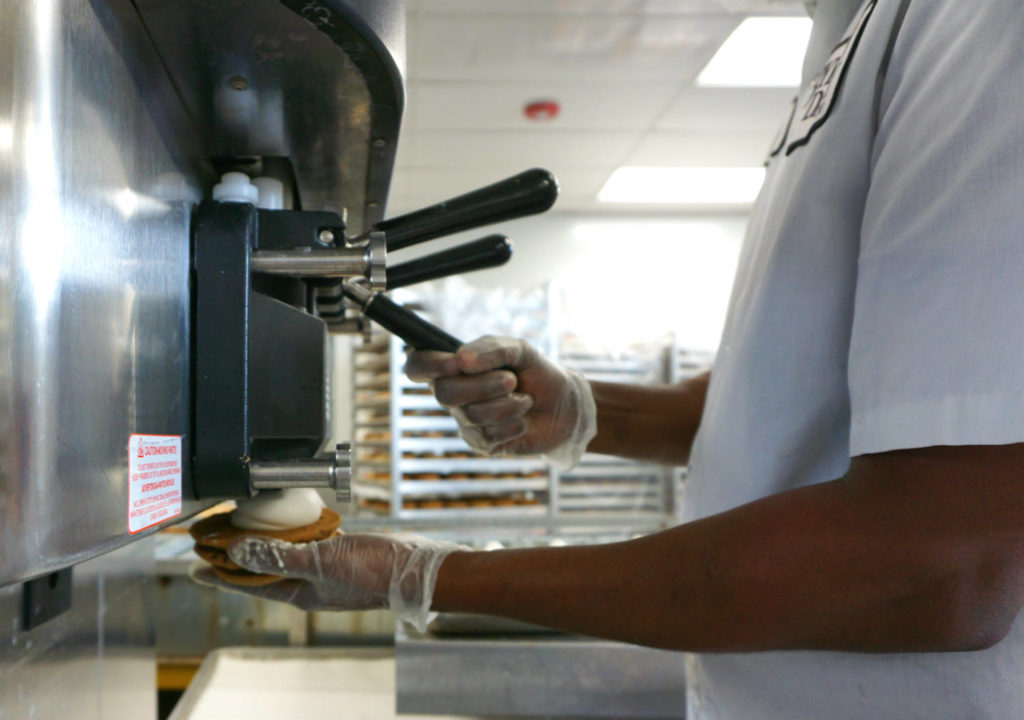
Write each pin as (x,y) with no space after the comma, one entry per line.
(621,279)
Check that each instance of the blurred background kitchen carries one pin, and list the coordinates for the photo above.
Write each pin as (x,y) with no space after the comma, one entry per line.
(656,117)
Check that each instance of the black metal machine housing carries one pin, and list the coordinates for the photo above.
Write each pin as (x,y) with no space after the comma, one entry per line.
(259,354)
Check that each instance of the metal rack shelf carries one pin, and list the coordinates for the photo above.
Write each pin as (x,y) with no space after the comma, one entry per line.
(425,473)
(476,514)
(415,488)
(602,483)
(489,466)
(424,476)
(682,364)
(514,526)
(371,491)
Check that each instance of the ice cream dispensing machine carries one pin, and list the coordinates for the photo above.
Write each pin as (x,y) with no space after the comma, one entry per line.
(269,283)
(193,209)
(192,197)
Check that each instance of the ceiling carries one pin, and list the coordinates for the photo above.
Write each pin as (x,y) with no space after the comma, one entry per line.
(622,70)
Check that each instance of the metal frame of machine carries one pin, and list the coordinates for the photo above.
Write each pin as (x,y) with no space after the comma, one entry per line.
(114,120)
(123,112)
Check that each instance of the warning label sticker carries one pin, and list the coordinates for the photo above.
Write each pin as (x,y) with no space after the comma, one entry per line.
(154,480)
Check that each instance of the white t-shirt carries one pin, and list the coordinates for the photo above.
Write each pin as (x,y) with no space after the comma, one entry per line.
(879,305)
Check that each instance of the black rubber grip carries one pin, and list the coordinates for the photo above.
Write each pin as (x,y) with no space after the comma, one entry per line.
(409,326)
(527,193)
(489,252)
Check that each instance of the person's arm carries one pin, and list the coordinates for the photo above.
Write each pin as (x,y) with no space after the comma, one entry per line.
(919,550)
(650,423)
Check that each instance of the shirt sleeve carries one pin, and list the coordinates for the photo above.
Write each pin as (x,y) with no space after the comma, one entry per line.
(937,346)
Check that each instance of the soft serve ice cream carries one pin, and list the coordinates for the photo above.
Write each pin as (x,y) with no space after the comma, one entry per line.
(286,509)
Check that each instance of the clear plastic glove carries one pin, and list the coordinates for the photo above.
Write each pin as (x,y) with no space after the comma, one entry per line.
(348,572)
(510,400)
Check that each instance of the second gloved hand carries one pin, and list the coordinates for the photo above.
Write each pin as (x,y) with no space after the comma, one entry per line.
(510,399)
(348,572)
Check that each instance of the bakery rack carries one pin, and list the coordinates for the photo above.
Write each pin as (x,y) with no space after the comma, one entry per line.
(413,471)
(411,467)
(602,483)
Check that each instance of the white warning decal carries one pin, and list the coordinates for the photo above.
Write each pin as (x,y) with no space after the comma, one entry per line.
(154,480)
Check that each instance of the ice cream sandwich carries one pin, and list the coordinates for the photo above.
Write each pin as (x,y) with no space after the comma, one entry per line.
(214,534)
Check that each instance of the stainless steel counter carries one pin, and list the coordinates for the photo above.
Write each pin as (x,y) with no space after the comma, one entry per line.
(544,675)
(271,684)
(268,684)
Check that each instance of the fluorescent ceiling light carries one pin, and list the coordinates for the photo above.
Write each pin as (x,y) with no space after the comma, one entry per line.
(683,186)
(761,52)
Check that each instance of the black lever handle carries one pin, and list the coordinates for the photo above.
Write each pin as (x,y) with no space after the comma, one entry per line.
(491,251)
(409,326)
(527,193)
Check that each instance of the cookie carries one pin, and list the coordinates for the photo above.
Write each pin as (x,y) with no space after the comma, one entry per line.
(217,531)
(213,534)
(245,578)
(216,557)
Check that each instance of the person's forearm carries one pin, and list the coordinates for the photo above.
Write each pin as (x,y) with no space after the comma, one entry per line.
(651,423)
(878,565)
(735,582)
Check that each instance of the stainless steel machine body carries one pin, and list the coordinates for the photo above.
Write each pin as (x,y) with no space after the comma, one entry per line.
(113,116)
(95,202)
(114,120)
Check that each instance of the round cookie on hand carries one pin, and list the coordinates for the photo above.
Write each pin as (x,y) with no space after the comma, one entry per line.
(296,515)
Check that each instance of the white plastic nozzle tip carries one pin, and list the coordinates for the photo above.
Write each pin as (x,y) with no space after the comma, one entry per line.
(271,192)
(236,187)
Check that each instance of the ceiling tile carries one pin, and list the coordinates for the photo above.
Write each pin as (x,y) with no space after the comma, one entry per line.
(581,7)
(406,143)
(585,182)
(727,108)
(779,7)
(622,71)
(618,7)
(513,151)
(702,148)
(493,46)
(417,187)
(585,105)
(398,193)
(412,37)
